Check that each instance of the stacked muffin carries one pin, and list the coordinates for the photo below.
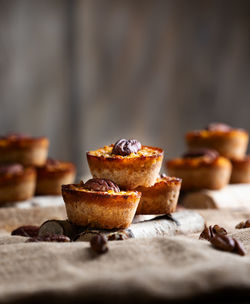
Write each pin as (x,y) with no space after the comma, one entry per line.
(216,157)
(125,181)
(24,168)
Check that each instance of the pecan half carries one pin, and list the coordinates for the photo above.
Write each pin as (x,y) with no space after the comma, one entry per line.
(14,136)
(219,230)
(238,248)
(206,234)
(211,231)
(163,175)
(227,243)
(100,184)
(52,162)
(49,238)
(30,231)
(99,243)
(125,147)
(201,152)
(10,168)
(242,225)
(218,126)
(120,235)
(223,242)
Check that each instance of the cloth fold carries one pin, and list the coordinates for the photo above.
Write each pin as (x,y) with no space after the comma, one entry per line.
(147,270)
(157,268)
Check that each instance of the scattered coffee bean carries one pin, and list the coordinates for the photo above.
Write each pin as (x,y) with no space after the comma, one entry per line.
(30,231)
(49,238)
(99,243)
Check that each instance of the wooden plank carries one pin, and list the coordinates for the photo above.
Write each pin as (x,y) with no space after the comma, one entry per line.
(235,196)
(34,71)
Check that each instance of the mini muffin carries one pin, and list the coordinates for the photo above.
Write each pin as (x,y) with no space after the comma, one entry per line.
(229,142)
(99,203)
(161,198)
(201,168)
(23,149)
(240,170)
(16,182)
(127,163)
(53,175)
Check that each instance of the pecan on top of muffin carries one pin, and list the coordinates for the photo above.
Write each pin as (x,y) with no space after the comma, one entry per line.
(128,163)
(229,142)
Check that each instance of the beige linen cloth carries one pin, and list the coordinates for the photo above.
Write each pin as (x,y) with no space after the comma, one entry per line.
(143,270)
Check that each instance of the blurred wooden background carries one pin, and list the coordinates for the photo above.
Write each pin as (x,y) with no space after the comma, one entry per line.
(86,73)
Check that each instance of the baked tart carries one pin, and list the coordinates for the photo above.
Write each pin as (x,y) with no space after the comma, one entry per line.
(16,182)
(240,170)
(53,175)
(19,148)
(201,168)
(127,163)
(161,198)
(99,203)
(228,141)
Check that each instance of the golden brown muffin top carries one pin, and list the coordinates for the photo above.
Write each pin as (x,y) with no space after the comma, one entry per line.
(102,190)
(217,129)
(146,151)
(53,165)
(198,158)
(21,140)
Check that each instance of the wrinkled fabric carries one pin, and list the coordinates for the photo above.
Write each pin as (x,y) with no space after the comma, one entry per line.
(152,269)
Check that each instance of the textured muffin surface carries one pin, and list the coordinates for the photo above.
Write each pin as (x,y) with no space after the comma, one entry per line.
(231,143)
(201,172)
(130,171)
(53,175)
(106,210)
(240,170)
(29,151)
(17,183)
(161,198)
